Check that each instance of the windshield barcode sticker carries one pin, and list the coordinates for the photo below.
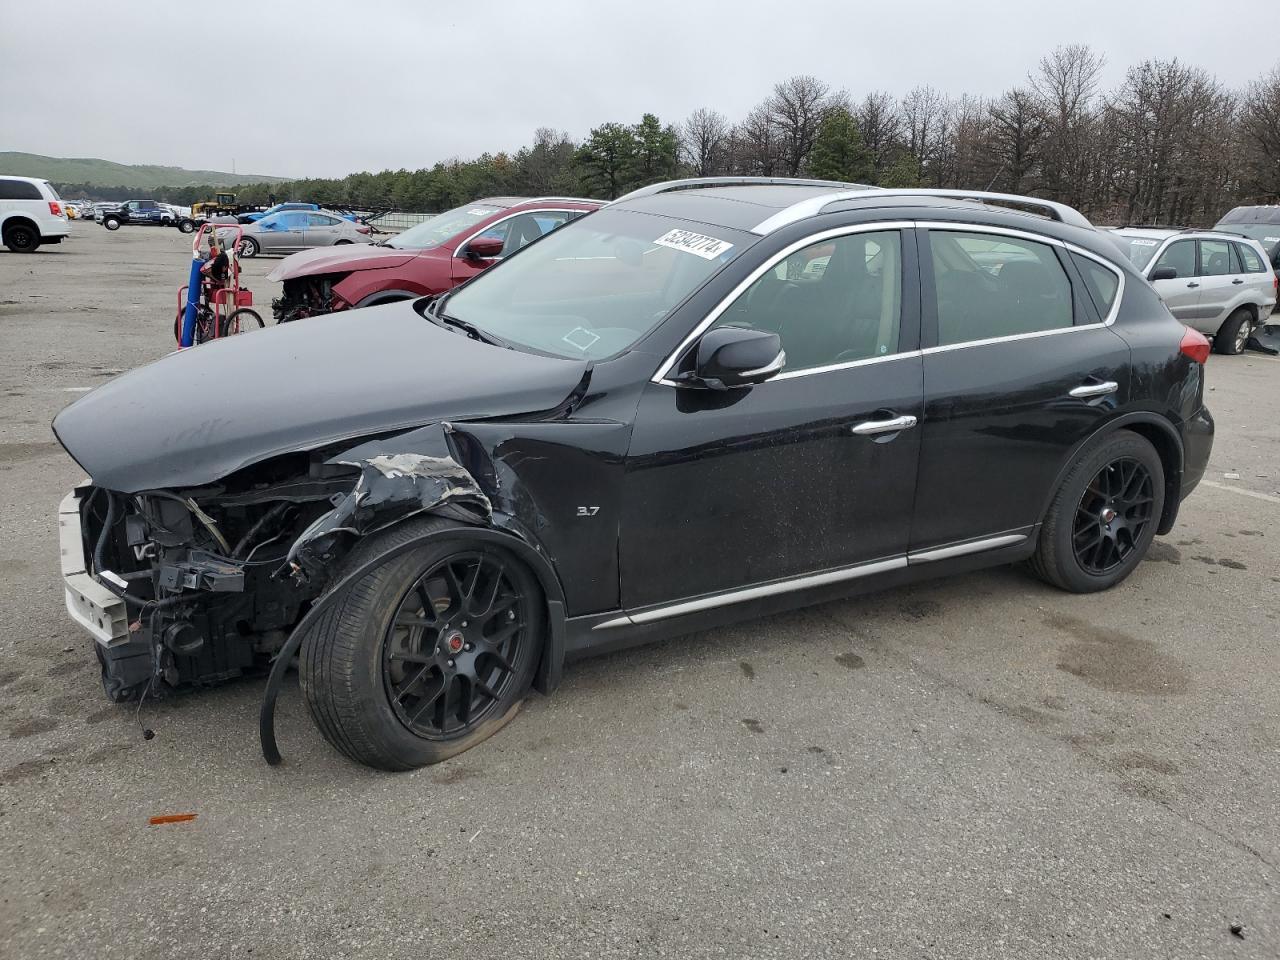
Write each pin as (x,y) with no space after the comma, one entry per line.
(708,248)
(1144,243)
(1270,239)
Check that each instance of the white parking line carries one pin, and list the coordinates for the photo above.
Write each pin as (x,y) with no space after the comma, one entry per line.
(1240,490)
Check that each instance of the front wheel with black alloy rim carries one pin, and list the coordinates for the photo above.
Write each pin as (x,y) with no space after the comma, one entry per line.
(1234,333)
(426,656)
(1103,517)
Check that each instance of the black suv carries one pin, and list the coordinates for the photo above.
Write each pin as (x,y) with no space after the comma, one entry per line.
(709,400)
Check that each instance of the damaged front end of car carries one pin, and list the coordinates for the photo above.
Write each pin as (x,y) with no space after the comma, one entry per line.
(189,587)
(308,296)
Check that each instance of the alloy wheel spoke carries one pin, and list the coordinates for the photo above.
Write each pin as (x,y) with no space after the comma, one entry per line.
(408,687)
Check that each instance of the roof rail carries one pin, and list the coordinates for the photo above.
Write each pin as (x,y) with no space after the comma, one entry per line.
(706,183)
(815,205)
(565,199)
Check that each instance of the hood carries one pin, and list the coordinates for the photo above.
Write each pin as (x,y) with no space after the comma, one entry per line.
(343,259)
(199,415)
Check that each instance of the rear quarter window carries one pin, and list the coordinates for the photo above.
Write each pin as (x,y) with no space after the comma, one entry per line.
(19,190)
(1252,262)
(1102,282)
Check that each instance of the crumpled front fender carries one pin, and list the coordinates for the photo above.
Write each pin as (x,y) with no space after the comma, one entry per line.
(400,477)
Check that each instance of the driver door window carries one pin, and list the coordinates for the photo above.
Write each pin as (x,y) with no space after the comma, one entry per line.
(1181,256)
(835,301)
(522,230)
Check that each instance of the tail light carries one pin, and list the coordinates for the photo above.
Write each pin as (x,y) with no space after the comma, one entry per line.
(55,209)
(1194,345)
(362,228)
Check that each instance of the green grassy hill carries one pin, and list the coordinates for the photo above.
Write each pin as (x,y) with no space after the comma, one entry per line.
(105,173)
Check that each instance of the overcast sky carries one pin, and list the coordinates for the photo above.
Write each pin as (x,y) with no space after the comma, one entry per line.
(327,87)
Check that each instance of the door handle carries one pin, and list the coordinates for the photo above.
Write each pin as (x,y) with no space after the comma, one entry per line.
(1193,284)
(869,428)
(1237,281)
(1095,389)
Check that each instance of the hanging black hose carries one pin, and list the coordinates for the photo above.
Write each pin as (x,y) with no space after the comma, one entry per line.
(100,564)
(267,713)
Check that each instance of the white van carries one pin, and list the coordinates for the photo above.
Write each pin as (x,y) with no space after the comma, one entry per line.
(31,213)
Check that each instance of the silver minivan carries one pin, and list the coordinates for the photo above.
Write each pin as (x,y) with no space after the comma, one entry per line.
(1220,284)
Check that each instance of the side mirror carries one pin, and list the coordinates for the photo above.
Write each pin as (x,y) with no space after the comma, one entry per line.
(484,248)
(729,357)
(1163,273)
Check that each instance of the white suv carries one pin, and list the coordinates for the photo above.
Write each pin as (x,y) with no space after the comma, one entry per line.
(31,213)
(1220,284)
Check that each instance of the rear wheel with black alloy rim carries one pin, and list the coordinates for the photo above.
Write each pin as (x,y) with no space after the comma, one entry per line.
(1104,516)
(428,655)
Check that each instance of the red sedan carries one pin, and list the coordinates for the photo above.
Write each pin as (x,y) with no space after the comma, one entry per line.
(430,258)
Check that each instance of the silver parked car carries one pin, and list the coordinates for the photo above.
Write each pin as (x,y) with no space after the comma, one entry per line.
(1220,284)
(292,230)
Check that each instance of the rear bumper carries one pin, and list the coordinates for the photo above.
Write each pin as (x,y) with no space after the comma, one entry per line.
(1197,443)
(89,603)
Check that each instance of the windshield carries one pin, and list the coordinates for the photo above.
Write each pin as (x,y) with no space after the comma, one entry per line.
(1139,250)
(433,232)
(596,286)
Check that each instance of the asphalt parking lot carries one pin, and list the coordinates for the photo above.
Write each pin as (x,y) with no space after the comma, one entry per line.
(974,767)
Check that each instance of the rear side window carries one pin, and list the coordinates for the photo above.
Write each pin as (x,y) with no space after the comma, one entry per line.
(19,190)
(1215,258)
(1101,282)
(320,220)
(1181,256)
(991,286)
(1252,262)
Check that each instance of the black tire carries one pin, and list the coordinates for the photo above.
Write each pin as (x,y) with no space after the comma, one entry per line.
(111,223)
(1233,334)
(341,243)
(243,320)
(1065,555)
(348,661)
(247,248)
(186,225)
(21,238)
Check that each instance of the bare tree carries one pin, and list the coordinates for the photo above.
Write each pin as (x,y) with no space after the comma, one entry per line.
(1260,136)
(881,127)
(757,145)
(704,138)
(1017,129)
(924,125)
(795,109)
(1066,87)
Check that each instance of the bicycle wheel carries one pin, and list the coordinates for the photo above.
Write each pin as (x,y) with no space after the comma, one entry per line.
(243,320)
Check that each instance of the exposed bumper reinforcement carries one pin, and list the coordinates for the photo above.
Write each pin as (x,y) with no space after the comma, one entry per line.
(89,603)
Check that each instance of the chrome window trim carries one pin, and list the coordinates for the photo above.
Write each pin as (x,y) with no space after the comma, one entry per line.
(665,368)
(511,216)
